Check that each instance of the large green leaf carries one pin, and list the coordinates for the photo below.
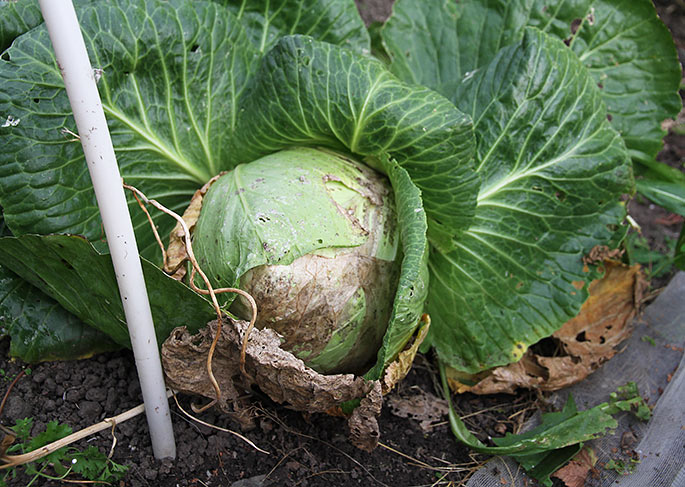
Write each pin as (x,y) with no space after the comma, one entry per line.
(17,18)
(552,170)
(438,42)
(627,49)
(312,93)
(40,329)
(171,74)
(412,288)
(332,21)
(72,272)
(631,56)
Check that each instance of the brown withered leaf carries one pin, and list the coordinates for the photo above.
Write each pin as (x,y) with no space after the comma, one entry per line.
(176,251)
(279,374)
(423,407)
(575,472)
(363,423)
(396,371)
(585,342)
(601,253)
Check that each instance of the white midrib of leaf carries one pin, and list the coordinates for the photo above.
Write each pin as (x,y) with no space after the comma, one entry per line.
(361,121)
(159,146)
(531,170)
(202,136)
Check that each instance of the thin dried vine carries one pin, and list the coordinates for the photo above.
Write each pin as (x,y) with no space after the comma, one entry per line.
(209,291)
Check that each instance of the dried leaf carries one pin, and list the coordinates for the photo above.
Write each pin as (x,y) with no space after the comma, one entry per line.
(176,251)
(398,370)
(577,470)
(279,374)
(423,407)
(363,423)
(585,342)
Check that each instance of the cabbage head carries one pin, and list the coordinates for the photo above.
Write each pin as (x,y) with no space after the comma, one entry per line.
(312,236)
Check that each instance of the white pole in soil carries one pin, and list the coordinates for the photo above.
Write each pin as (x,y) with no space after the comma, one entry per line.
(79,79)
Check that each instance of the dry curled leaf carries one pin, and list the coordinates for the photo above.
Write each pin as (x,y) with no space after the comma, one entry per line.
(176,251)
(396,371)
(363,423)
(584,343)
(278,373)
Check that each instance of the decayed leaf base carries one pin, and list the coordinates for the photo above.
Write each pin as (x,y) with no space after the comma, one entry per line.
(586,341)
(279,374)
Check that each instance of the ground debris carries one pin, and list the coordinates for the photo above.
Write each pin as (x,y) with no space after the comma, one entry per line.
(423,407)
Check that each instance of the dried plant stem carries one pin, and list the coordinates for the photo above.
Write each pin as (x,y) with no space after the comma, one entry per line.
(210,291)
(253,319)
(15,460)
(154,229)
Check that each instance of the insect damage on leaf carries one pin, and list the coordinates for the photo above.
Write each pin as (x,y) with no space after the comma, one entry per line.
(578,348)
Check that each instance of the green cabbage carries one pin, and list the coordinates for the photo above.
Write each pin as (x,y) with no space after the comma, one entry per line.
(312,236)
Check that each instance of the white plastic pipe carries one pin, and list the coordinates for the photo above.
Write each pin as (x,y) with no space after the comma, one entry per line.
(79,79)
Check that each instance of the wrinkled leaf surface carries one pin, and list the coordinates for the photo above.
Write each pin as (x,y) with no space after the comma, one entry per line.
(552,168)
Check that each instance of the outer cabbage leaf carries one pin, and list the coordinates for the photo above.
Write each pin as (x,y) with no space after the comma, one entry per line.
(412,288)
(71,271)
(171,74)
(17,18)
(631,56)
(312,93)
(332,21)
(625,46)
(40,329)
(553,170)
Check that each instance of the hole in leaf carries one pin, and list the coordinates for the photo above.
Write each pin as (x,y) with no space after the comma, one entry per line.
(575,25)
(5,56)
(547,347)
(561,196)
(194,48)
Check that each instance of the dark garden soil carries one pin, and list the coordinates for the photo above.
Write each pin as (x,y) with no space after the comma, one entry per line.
(416,446)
